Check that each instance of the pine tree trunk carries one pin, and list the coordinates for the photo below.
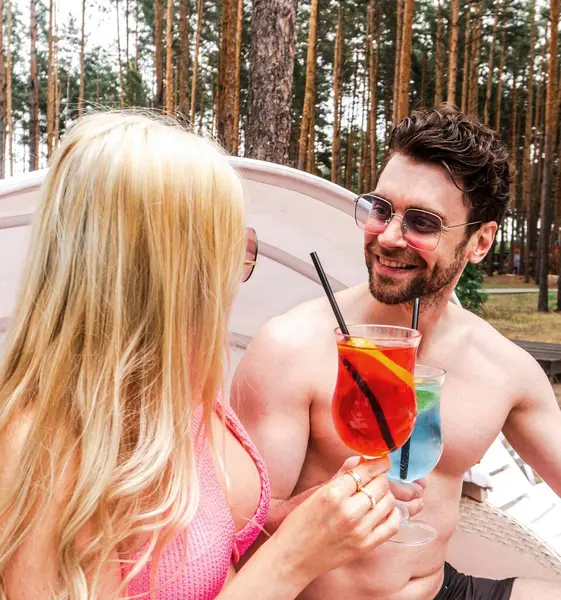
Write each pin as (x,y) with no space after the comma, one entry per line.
(527,166)
(50,84)
(438,83)
(227,77)
(224,44)
(120,62)
(473,92)
(499,98)
(169,58)
(33,92)
(486,115)
(136,44)
(374,104)
(270,98)
(57,113)
(310,84)
(364,158)
(453,55)
(398,42)
(502,248)
(202,106)
(349,167)
(423,91)
(200,14)
(466,69)
(547,187)
(82,60)
(127,54)
(3,90)
(405,62)
(9,111)
(311,152)
(530,269)
(514,135)
(184,57)
(337,97)
(158,59)
(237,71)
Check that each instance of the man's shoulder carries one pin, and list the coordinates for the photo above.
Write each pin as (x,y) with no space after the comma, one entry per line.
(300,328)
(309,323)
(487,343)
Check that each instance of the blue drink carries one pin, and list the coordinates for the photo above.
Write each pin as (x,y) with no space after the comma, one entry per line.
(425,443)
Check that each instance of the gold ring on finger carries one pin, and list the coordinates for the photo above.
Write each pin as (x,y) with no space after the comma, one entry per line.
(370,496)
(356,477)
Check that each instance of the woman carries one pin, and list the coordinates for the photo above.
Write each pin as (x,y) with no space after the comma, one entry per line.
(122,473)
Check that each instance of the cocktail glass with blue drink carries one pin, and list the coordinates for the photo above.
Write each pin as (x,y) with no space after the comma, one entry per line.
(420,455)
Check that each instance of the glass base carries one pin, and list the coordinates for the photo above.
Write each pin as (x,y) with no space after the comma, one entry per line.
(414,533)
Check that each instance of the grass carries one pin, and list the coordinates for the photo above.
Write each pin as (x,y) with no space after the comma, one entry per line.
(515,281)
(517,318)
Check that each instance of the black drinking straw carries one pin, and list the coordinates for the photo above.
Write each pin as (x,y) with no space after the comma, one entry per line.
(357,377)
(330,296)
(404,463)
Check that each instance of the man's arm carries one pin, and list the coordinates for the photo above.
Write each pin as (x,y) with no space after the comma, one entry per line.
(534,424)
(271,394)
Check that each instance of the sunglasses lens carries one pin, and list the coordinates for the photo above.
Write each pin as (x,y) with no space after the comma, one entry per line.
(363,206)
(251,249)
(421,229)
(372,213)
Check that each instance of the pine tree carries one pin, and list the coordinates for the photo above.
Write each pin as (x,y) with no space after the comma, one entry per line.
(9,74)
(237,72)
(158,61)
(337,96)
(200,16)
(397,58)
(486,116)
(33,92)
(439,77)
(405,61)
(184,57)
(269,109)
(310,83)
(170,100)
(453,55)
(527,166)
(551,112)
(466,69)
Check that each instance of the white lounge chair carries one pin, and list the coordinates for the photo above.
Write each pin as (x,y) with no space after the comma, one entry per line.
(295,213)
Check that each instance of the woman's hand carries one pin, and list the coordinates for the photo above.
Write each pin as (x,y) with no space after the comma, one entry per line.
(340,522)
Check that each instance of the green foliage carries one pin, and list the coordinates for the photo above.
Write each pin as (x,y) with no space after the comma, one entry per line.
(469,288)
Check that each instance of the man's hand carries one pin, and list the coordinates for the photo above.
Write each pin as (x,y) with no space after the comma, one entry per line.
(410,494)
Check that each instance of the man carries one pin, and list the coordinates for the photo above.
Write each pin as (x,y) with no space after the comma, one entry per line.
(438,201)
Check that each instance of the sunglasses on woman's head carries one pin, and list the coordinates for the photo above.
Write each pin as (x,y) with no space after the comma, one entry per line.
(421,229)
(251,250)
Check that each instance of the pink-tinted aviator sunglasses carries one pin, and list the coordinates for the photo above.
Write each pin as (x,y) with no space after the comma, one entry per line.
(251,251)
(420,229)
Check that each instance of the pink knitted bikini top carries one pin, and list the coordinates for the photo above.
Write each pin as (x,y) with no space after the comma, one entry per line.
(194,566)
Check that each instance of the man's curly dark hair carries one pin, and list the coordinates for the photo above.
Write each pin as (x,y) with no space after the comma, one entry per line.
(473,154)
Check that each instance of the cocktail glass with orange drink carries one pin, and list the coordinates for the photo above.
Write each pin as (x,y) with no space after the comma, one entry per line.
(374,406)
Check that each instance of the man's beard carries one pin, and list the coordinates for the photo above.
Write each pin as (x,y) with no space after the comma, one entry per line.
(428,286)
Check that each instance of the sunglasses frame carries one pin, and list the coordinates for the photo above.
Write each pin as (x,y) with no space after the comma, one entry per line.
(251,235)
(402,217)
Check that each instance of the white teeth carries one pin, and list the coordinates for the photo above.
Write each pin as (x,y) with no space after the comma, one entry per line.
(392,263)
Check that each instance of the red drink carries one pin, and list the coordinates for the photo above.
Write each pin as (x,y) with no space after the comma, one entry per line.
(374,406)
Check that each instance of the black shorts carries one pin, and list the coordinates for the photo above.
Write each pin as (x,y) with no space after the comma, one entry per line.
(457,586)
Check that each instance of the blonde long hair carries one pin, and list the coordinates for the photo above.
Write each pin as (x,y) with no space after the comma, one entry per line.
(120,332)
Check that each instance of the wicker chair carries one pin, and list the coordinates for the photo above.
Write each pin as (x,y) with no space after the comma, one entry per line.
(489,543)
